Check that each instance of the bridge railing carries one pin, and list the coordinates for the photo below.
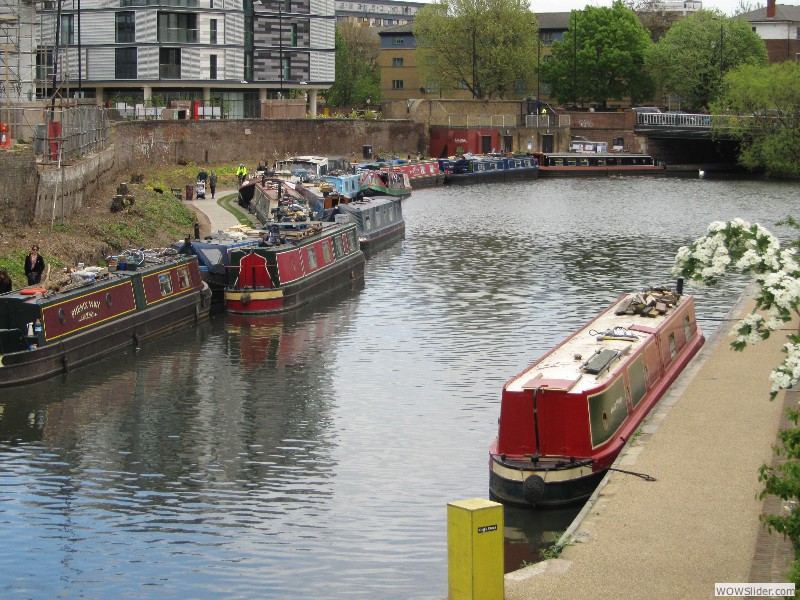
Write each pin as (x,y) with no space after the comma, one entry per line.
(688,120)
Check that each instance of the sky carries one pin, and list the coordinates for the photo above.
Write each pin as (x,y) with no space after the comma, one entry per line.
(726,6)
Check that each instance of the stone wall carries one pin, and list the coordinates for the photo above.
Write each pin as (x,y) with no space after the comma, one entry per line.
(20,179)
(251,140)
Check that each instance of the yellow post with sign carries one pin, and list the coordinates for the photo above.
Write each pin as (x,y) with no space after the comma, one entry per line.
(475,550)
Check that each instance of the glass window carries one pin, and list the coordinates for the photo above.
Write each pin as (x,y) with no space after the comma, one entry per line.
(177,27)
(326,251)
(169,63)
(213,31)
(126,27)
(125,63)
(285,68)
(312,257)
(397,62)
(183,278)
(165,283)
(67,30)
(398,41)
(397,84)
(293,35)
(212,66)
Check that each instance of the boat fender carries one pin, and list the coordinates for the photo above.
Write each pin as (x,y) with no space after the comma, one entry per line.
(135,341)
(245,299)
(352,274)
(65,364)
(533,489)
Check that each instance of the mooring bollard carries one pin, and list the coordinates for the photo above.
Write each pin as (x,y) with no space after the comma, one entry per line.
(475,550)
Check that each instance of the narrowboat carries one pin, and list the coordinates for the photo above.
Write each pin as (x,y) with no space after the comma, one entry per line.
(385,183)
(564,420)
(421,173)
(574,164)
(91,313)
(379,221)
(488,168)
(295,264)
(214,257)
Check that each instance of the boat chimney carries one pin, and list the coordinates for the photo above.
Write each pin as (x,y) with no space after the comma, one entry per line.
(679,286)
(197,231)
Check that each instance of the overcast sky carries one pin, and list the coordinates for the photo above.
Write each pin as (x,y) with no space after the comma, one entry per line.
(726,6)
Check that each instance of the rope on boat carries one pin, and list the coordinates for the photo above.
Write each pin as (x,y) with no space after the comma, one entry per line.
(644,476)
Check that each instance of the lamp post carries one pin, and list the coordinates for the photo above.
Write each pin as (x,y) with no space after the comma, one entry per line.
(574,57)
(280,46)
(721,55)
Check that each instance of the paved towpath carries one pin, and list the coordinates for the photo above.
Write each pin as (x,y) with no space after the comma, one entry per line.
(698,523)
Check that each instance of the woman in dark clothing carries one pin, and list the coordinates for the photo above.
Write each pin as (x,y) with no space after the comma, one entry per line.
(34,266)
(5,282)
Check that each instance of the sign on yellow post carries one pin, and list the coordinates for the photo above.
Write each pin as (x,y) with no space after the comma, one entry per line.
(475,550)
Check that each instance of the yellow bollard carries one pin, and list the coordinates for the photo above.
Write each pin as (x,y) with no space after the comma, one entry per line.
(475,550)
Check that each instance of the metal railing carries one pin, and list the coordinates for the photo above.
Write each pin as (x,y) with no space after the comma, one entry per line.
(547,121)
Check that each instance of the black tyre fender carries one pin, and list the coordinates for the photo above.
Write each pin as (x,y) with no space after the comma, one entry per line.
(533,489)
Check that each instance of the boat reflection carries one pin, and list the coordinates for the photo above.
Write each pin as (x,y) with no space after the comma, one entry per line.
(529,532)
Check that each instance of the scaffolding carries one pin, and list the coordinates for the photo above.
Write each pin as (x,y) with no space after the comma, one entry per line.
(17,51)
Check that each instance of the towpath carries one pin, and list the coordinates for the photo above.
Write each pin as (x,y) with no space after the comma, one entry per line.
(698,523)
(212,215)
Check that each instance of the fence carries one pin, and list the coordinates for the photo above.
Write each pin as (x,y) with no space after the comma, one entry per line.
(547,121)
(59,134)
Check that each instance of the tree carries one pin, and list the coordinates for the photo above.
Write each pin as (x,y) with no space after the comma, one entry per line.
(692,58)
(484,46)
(601,57)
(740,246)
(358,76)
(768,102)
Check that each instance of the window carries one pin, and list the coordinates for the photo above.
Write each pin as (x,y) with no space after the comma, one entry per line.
(312,258)
(212,66)
(285,68)
(44,63)
(126,27)
(125,63)
(177,27)
(398,41)
(286,5)
(165,283)
(293,35)
(67,29)
(326,251)
(248,66)
(184,281)
(213,31)
(397,62)
(397,84)
(169,63)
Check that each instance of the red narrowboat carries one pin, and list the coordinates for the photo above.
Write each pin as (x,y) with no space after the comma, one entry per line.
(46,331)
(296,263)
(564,420)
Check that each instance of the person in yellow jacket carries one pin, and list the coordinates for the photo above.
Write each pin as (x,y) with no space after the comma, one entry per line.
(241,173)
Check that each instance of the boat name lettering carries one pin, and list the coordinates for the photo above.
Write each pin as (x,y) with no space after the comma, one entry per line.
(461,140)
(487,528)
(85,308)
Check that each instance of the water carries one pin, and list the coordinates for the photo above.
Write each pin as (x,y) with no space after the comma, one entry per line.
(313,456)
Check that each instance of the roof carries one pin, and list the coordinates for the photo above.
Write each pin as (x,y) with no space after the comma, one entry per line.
(559,20)
(783,12)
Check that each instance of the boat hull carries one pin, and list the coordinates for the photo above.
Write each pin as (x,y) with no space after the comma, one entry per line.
(68,347)
(618,171)
(494,176)
(372,244)
(564,423)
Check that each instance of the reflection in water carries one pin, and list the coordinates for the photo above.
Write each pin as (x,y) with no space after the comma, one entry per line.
(313,455)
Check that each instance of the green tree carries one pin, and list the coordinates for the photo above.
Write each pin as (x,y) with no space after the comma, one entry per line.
(601,57)
(768,102)
(692,58)
(485,46)
(358,76)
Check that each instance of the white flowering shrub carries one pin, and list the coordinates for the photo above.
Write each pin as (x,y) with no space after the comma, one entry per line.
(739,246)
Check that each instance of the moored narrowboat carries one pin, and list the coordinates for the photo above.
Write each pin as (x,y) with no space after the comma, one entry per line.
(576,164)
(564,420)
(385,183)
(46,331)
(379,220)
(296,263)
(488,168)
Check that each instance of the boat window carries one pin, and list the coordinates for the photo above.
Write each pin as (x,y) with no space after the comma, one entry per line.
(326,251)
(184,281)
(584,162)
(109,301)
(61,315)
(338,246)
(378,218)
(687,328)
(601,162)
(558,162)
(638,380)
(312,257)
(367,223)
(165,283)
(607,411)
(571,162)
(351,238)
(672,350)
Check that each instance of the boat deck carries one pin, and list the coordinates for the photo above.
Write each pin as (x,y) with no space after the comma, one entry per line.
(594,353)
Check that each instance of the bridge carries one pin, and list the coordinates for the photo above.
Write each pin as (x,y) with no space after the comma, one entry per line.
(685,125)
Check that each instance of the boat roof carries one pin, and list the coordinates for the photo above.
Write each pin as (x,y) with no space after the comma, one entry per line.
(594,154)
(587,359)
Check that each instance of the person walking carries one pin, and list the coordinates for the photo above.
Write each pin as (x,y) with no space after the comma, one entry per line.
(34,266)
(212,181)
(241,173)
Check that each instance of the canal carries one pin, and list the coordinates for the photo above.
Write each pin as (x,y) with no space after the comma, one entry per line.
(313,455)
